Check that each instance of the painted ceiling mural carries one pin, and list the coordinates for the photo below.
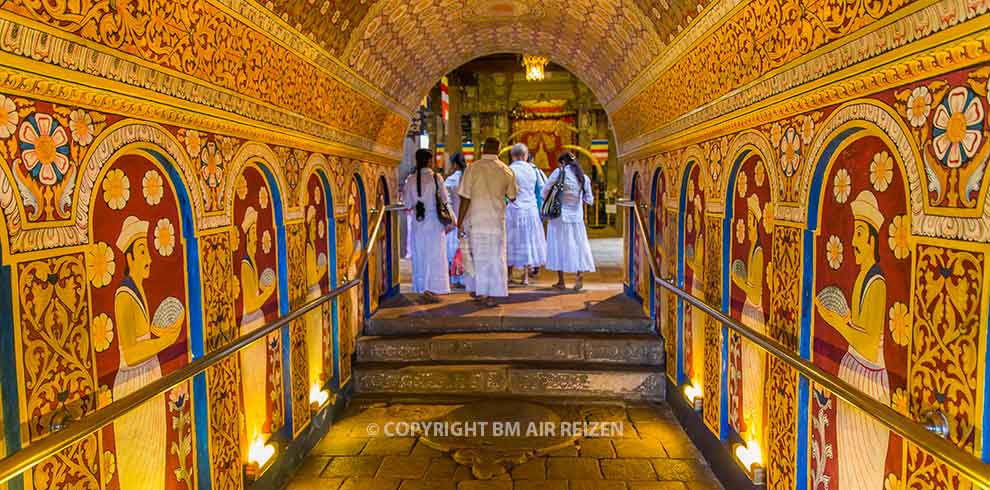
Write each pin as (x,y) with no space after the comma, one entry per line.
(404,45)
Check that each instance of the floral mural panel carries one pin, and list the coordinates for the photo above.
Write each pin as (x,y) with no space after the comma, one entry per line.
(136,270)
(57,365)
(751,249)
(694,277)
(948,324)
(862,322)
(948,119)
(256,266)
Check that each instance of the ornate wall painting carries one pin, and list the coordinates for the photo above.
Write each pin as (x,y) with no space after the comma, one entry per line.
(750,255)
(56,364)
(641,267)
(137,275)
(862,322)
(671,340)
(319,263)
(948,316)
(660,232)
(256,266)
(947,117)
(379,265)
(712,330)
(781,387)
(350,240)
(223,380)
(694,263)
(299,386)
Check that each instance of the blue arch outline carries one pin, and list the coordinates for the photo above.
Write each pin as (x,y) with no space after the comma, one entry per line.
(681,208)
(807,286)
(195,307)
(8,371)
(283,292)
(631,259)
(725,429)
(657,175)
(362,197)
(390,279)
(334,381)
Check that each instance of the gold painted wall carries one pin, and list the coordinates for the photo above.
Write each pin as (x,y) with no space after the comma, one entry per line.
(103,110)
(878,188)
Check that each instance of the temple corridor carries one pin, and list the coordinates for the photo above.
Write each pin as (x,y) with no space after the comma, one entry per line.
(204,272)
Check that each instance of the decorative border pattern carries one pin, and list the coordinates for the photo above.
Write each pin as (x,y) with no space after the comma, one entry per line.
(633,136)
(379,125)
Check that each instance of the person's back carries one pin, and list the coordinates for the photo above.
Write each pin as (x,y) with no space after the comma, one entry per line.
(575,194)
(526,181)
(423,192)
(487,183)
(485,187)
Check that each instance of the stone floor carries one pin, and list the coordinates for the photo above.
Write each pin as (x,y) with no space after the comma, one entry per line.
(651,453)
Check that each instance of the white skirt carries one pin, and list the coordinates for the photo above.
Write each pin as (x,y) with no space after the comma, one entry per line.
(525,242)
(254,376)
(429,257)
(862,440)
(140,435)
(568,249)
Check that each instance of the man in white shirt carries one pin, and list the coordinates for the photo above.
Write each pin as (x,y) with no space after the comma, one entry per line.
(485,187)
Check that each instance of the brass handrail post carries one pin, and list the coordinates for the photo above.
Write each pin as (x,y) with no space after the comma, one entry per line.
(954,457)
(75,431)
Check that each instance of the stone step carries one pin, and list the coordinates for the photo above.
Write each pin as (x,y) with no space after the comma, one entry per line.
(524,379)
(631,350)
(426,325)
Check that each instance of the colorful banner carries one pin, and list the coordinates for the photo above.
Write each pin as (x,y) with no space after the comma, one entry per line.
(599,149)
(468,150)
(440,156)
(444,98)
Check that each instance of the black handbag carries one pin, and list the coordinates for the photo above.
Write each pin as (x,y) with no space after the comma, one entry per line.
(551,205)
(443,212)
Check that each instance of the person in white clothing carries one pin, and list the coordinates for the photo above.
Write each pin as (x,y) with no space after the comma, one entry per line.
(485,187)
(525,239)
(453,242)
(541,182)
(426,234)
(568,249)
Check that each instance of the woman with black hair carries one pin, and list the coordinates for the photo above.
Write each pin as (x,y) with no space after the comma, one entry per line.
(453,243)
(423,193)
(568,248)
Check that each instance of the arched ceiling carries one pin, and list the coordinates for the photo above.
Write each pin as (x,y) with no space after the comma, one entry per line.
(405,46)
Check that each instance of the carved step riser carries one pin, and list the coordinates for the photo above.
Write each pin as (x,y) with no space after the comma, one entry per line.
(645,352)
(444,325)
(510,380)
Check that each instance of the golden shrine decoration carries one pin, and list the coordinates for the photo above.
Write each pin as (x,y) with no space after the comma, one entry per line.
(535,65)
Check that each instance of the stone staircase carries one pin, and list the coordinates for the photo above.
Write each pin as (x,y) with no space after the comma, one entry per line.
(608,352)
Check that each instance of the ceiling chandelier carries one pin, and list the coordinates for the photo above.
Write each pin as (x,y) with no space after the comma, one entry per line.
(534,66)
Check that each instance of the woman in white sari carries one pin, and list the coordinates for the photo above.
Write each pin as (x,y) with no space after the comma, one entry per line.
(568,248)
(429,247)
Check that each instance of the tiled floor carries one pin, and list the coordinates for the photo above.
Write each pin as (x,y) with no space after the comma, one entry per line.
(653,453)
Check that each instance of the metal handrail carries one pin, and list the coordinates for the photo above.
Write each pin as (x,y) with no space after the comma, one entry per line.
(26,458)
(954,457)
